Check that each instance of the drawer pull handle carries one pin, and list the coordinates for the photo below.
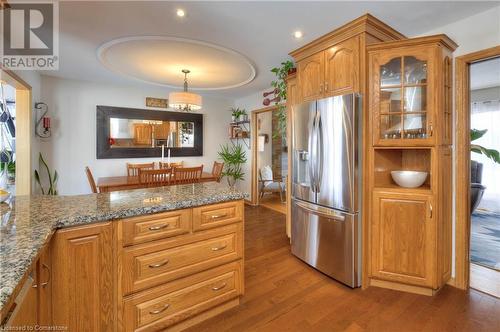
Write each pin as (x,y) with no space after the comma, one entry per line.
(215,288)
(219,248)
(154,266)
(156,312)
(44,266)
(157,228)
(216,216)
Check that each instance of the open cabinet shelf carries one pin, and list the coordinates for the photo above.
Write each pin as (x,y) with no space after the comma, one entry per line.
(398,159)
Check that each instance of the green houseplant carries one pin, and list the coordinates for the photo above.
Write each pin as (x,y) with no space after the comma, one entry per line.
(476,187)
(233,157)
(279,85)
(236,113)
(52,177)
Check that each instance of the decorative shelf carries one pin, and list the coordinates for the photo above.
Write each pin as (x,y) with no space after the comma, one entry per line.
(240,131)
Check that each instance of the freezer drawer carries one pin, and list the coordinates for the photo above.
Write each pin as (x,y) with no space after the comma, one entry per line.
(327,239)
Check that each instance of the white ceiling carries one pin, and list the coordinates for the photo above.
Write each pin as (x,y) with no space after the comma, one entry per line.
(261,31)
(161,60)
(485,74)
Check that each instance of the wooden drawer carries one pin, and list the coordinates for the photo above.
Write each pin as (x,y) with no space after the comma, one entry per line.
(156,226)
(155,263)
(166,305)
(209,216)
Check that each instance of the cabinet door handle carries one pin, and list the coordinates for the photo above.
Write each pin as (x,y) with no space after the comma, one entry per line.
(157,228)
(431,131)
(216,216)
(157,311)
(430,211)
(154,266)
(320,87)
(44,266)
(219,248)
(326,86)
(215,288)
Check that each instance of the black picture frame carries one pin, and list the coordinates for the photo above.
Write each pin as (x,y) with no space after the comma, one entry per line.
(104,150)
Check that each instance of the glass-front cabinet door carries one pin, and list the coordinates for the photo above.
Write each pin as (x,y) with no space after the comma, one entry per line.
(401,99)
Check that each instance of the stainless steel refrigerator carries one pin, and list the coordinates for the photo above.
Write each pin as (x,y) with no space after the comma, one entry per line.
(326,179)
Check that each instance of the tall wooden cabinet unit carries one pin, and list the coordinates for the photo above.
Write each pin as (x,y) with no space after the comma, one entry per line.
(410,129)
(336,64)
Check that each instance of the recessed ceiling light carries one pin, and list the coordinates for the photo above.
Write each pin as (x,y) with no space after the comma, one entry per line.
(298,34)
(180,13)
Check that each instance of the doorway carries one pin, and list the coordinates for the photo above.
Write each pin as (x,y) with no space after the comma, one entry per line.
(270,160)
(478,162)
(15,132)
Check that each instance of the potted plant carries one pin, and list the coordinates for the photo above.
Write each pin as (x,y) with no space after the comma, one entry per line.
(279,85)
(233,157)
(236,113)
(476,187)
(52,177)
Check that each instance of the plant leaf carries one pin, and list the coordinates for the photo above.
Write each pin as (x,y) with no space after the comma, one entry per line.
(476,134)
(490,153)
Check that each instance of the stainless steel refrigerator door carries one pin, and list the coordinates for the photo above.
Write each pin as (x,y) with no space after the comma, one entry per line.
(303,140)
(327,240)
(338,163)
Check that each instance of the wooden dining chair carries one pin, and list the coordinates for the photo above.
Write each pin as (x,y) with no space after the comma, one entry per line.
(170,165)
(155,177)
(217,171)
(133,169)
(183,175)
(90,177)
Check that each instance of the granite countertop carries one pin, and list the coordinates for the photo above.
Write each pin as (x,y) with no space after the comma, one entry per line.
(28,222)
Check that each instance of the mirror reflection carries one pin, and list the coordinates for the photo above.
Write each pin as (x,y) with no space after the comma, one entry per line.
(138,133)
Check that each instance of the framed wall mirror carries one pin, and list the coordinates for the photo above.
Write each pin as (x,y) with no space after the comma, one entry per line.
(139,133)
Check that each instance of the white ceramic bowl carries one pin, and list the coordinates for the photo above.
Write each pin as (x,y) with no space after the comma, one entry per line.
(409,179)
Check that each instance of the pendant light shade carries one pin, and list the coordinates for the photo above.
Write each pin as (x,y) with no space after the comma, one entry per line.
(186,101)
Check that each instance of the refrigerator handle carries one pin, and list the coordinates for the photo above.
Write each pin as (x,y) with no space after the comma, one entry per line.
(319,211)
(319,153)
(312,157)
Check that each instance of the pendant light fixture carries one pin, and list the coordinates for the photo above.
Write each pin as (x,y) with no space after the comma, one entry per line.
(186,101)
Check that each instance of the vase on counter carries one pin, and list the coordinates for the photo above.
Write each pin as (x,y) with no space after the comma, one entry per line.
(231,181)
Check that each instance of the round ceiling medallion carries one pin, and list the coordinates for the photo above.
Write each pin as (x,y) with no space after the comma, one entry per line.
(160,60)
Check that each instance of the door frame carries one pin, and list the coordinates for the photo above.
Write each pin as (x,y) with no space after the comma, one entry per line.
(462,143)
(254,129)
(24,126)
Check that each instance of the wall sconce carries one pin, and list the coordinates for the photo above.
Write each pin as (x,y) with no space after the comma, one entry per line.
(42,126)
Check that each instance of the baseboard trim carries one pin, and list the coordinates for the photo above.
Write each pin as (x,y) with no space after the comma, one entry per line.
(403,288)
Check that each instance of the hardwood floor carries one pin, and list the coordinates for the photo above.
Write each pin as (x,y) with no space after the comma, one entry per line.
(273,202)
(284,294)
(485,280)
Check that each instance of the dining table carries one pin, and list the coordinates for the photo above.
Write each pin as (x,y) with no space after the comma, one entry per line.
(116,183)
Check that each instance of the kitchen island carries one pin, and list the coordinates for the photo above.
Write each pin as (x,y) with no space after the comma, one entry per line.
(127,260)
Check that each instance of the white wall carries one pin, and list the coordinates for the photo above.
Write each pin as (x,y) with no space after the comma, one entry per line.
(72,106)
(473,33)
(250,103)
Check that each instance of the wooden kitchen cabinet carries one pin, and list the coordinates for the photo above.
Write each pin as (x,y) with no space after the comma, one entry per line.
(331,72)
(311,76)
(342,68)
(143,134)
(410,229)
(82,259)
(410,82)
(403,238)
(32,305)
